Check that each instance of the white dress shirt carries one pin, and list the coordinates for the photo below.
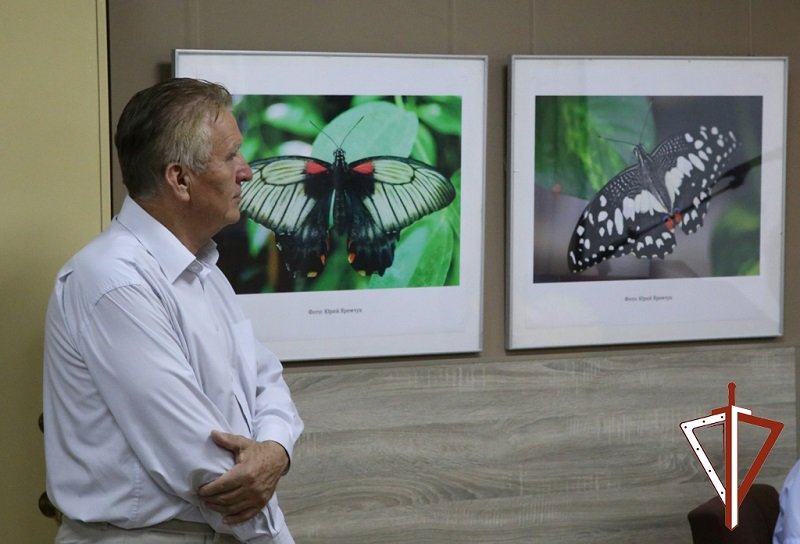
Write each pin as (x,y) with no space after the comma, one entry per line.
(787,527)
(147,352)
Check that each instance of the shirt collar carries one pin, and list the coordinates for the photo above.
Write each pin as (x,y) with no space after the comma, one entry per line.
(173,257)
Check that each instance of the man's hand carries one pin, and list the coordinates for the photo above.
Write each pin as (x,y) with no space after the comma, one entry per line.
(244,490)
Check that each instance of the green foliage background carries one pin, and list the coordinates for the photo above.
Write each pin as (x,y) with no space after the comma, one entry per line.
(426,128)
(581,140)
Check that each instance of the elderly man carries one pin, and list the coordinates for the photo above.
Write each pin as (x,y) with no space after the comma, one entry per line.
(165,420)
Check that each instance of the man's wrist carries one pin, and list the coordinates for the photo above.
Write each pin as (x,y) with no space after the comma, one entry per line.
(287,459)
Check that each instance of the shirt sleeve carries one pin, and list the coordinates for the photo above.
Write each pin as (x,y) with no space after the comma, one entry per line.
(276,417)
(136,359)
(787,528)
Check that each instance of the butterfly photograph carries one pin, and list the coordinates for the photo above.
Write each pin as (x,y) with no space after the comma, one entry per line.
(361,230)
(644,187)
(348,192)
(646,199)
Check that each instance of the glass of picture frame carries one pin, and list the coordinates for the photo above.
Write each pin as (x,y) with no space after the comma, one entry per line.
(362,229)
(646,199)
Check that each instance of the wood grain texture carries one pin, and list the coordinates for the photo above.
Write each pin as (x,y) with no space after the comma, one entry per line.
(579,449)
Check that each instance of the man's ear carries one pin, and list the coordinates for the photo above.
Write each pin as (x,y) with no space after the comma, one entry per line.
(177,179)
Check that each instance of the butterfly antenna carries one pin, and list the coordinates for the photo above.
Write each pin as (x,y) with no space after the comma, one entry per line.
(646,117)
(352,129)
(618,141)
(606,138)
(641,131)
(331,139)
(324,133)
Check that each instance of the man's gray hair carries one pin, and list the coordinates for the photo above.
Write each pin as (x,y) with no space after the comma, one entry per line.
(169,122)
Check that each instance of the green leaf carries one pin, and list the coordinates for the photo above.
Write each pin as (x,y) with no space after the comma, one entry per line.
(575,149)
(375,128)
(453,211)
(424,146)
(423,255)
(735,242)
(295,115)
(442,116)
(365,99)
(454,273)
(257,235)
(453,215)
(250,148)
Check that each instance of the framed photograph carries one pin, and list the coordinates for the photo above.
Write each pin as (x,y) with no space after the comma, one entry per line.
(646,199)
(362,229)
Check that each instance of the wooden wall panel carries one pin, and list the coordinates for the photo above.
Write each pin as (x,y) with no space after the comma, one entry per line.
(556,450)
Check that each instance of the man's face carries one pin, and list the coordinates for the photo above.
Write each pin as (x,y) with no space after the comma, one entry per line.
(216,192)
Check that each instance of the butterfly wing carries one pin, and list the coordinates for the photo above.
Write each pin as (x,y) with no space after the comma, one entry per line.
(624,216)
(381,196)
(692,164)
(291,195)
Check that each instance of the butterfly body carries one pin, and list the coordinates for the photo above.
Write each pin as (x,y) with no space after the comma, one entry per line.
(652,177)
(370,201)
(639,209)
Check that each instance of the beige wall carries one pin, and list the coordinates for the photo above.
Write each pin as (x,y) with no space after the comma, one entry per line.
(497,28)
(54,172)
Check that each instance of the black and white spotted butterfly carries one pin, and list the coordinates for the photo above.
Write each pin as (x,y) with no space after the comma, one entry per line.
(639,208)
(370,200)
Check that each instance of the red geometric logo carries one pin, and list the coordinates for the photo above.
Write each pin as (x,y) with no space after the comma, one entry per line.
(729,417)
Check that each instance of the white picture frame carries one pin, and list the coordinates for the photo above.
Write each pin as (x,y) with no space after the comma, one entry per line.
(700,290)
(370,322)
